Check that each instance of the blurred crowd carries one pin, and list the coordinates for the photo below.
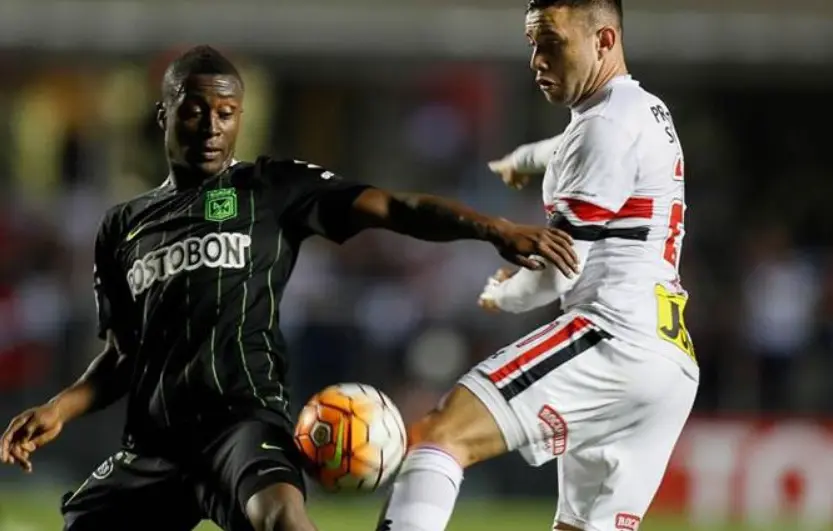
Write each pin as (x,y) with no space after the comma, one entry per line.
(398,313)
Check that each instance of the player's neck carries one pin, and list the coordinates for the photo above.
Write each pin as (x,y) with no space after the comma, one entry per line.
(184,178)
(607,73)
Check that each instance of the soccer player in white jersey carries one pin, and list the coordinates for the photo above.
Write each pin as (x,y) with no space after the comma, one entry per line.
(608,386)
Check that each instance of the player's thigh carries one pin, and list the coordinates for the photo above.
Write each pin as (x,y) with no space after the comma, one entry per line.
(252,457)
(608,485)
(551,391)
(132,493)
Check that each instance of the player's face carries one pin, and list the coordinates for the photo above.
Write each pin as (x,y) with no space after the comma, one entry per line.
(201,125)
(565,52)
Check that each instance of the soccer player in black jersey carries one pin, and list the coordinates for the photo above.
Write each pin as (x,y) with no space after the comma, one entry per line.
(188,281)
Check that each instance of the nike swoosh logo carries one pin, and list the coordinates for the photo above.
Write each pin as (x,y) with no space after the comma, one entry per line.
(135,232)
(273,469)
(270,447)
(335,462)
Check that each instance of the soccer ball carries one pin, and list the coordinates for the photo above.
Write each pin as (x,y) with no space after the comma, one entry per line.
(352,436)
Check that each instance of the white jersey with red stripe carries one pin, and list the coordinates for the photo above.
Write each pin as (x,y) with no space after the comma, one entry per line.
(616,180)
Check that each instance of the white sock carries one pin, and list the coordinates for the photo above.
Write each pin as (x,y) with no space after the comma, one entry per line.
(424,492)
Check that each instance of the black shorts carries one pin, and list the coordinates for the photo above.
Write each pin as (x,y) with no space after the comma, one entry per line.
(133,491)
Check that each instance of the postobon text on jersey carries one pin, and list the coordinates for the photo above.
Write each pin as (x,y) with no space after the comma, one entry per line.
(227,250)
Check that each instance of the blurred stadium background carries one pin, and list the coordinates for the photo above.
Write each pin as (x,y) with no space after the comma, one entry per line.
(418,94)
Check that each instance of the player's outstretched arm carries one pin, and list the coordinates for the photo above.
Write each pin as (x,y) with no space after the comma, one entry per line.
(516,168)
(105,381)
(438,219)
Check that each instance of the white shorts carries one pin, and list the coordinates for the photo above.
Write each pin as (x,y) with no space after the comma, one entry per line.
(610,411)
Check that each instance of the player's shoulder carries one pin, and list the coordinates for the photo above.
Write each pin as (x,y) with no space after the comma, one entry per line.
(597,133)
(618,101)
(289,171)
(622,109)
(117,218)
(112,220)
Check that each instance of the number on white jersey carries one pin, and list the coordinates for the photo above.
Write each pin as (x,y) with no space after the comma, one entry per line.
(676,222)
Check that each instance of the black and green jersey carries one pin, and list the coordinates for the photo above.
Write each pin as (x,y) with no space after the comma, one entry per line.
(190,281)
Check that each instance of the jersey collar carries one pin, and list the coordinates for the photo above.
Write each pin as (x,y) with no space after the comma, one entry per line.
(169,181)
(600,94)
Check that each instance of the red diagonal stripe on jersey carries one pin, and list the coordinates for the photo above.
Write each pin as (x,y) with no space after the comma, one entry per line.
(588,212)
(558,338)
(634,207)
(637,207)
(679,171)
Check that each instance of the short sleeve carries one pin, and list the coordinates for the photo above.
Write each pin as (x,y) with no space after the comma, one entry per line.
(114,304)
(597,172)
(317,200)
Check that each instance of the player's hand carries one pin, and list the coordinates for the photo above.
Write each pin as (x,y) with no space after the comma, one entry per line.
(516,243)
(27,432)
(511,176)
(488,303)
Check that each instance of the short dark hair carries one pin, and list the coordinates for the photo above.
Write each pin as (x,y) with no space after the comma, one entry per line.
(196,61)
(613,6)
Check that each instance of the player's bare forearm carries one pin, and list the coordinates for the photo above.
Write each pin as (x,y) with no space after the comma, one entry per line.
(438,219)
(104,382)
(424,217)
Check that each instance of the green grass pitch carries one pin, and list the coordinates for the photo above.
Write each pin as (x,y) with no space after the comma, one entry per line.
(38,512)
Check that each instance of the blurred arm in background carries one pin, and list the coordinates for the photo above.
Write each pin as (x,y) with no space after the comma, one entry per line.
(516,168)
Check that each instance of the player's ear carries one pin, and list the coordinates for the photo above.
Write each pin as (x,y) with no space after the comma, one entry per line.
(606,40)
(161,115)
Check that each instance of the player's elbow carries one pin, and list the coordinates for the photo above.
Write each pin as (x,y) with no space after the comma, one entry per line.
(374,208)
(109,375)
(404,213)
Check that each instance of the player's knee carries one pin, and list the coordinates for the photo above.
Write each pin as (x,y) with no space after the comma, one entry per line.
(439,430)
(461,426)
(273,510)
